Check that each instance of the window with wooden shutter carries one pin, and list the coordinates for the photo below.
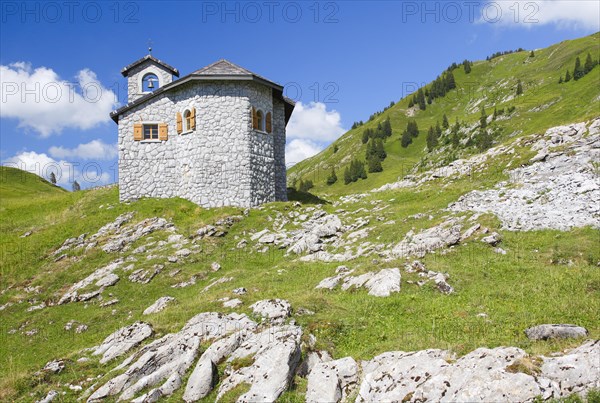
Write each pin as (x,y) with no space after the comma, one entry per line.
(254,119)
(260,120)
(163,132)
(137,132)
(268,123)
(193,119)
(179,123)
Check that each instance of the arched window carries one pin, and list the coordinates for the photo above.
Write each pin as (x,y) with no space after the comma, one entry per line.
(150,82)
(187,118)
(260,120)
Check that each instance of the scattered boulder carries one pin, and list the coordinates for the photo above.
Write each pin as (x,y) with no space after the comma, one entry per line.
(383,283)
(55,366)
(275,310)
(276,354)
(553,331)
(394,376)
(331,381)
(158,305)
(232,303)
(49,397)
(426,241)
(102,278)
(493,239)
(379,284)
(123,340)
(168,358)
(575,372)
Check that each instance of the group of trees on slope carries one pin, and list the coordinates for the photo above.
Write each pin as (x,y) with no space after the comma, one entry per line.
(579,70)
(482,140)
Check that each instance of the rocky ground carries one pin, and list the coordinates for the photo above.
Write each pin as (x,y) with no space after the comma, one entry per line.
(217,353)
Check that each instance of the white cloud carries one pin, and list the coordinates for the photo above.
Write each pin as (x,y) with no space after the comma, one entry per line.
(87,175)
(298,150)
(314,122)
(95,149)
(572,14)
(40,100)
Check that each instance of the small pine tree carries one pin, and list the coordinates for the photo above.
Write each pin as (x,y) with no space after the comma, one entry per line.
(495,115)
(411,103)
(52,178)
(374,164)
(484,140)
(335,148)
(406,139)
(467,66)
(438,130)
(589,64)
(386,128)
(519,88)
(532,54)
(578,72)
(454,139)
(347,176)
(76,187)
(379,150)
(305,186)
(560,80)
(445,123)
(483,118)
(567,77)
(365,136)
(421,99)
(332,178)
(432,140)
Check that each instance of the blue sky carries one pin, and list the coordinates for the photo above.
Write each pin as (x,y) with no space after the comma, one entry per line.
(341,60)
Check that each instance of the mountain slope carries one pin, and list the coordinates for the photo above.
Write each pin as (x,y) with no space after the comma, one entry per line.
(435,261)
(544,103)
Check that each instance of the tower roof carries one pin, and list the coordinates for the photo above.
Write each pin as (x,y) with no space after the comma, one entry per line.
(221,70)
(125,71)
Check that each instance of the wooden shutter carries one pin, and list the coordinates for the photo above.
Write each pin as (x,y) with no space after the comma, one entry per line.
(138,131)
(179,123)
(163,132)
(254,119)
(193,118)
(268,123)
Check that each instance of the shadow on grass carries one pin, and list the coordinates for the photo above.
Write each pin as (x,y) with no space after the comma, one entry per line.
(304,197)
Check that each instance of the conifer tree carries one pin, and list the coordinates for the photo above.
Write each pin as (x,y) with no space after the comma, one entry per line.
(567,76)
(421,99)
(432,140)
(387,128)
(52,178)
(454,139)
(365,136)
(438,130)
(578,72)
(589,64)
(332,178)
(347,176)
(445,123)
(519,88)
(379,150)
(467,66)
(374,164)
(406,139)
(532,54)
(483,118)
(76,187)
(560,80)
(411,103)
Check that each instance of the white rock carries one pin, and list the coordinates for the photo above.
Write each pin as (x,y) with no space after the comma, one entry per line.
(158,305)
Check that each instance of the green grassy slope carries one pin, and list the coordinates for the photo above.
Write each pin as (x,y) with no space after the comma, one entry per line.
(490,84)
